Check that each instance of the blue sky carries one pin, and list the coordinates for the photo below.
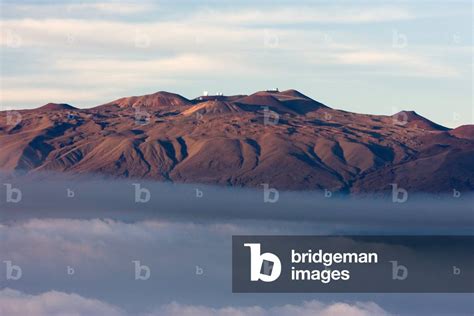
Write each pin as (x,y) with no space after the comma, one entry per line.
(372,57)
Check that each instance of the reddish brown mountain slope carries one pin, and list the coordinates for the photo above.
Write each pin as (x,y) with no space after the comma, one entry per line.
(56,107)
(150,101)
(413,119)
(226,142)
(465,131)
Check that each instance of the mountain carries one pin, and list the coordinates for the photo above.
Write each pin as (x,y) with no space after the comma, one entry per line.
(150,101)
(285,139)
(464,131)
(56,107)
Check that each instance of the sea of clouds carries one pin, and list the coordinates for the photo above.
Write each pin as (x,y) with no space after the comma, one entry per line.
(184,237)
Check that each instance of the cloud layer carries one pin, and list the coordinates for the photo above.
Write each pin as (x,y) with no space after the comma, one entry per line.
(53,303)
(93,257)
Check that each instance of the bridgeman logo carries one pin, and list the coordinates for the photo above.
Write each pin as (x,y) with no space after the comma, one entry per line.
(264,267)
(352,264)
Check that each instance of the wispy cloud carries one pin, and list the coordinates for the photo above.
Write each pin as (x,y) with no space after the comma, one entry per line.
(313,307)
(141,54)
(410,64)
(306,14)
(115,7)
(81,8)
(90,34)
(40,96)
(16,303)
(176,65)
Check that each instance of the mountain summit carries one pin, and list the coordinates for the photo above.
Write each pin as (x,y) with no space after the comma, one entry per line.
(150,101)
(56,107)
(413,119)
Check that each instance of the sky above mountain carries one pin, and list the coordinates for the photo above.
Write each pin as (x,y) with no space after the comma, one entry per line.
(370,57)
